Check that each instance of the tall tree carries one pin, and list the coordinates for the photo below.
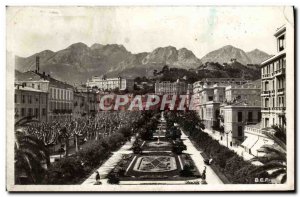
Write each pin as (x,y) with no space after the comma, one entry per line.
(29,154)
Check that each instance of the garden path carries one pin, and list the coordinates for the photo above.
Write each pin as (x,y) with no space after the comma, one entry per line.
(211,176)
(107,166)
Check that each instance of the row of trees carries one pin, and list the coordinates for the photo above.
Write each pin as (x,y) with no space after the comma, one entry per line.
(234,167)
(107,131)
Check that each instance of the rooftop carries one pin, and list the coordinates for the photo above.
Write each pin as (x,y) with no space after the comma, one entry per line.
(20,87)
(36,76)
(273,58)
(280,30)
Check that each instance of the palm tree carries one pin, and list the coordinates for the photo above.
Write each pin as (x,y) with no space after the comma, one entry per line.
(274,159)
(29,154)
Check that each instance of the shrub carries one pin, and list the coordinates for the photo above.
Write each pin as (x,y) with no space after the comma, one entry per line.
(112,178)
(92,154)
(187,171)
(178,146)
(234,167)
(65,171)
(121,172)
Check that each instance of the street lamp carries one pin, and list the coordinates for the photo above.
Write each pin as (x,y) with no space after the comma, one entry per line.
(227,136)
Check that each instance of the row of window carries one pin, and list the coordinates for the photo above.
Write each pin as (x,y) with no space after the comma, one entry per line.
(248,118)
(31,112)
(271,102)
(62,94)
(279,82)
(33,85)
(60,105)
(277,65)
(268,123)
(30,99)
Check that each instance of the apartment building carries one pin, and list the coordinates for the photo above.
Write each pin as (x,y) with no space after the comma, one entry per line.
(273,95)
(171,88)
(30,102)
(104,83)
(60,94)
(242,107)
(91,97)
(209,94)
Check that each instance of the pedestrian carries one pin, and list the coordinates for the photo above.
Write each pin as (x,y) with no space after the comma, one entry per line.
(97,178)
(203,176)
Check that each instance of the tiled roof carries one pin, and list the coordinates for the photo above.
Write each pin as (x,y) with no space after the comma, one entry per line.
(33,76)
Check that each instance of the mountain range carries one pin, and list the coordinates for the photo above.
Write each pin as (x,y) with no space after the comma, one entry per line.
(226,53)
(78,62)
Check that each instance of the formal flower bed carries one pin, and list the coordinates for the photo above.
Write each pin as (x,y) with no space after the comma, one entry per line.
(156,166)
(152,145)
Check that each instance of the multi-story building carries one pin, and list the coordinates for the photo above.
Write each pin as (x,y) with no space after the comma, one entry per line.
(249,92)
(30,102)
(80,108)
(104,83)
(274,83)
(238,115)
(209,94)
(171,88)
(60,94)
(241,107)
(91,98)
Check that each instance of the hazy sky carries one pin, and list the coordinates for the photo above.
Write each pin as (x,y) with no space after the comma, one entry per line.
(142,29)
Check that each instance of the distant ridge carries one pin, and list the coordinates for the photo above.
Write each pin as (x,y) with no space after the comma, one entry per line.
(228,52)
(78,62)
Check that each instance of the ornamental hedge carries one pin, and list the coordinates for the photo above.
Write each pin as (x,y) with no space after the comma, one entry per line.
(225,161)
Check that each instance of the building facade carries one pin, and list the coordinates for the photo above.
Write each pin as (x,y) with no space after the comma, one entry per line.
(236,117)
(273,95)
(104,83)
(242,107)
(30,102)
(60,94)
(208,95)
(91,97)
(80,109)
(171,88)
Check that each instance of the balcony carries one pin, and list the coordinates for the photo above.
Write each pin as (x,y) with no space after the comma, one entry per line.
(273,109)
(268,75)
(280,90)
(279,108)
(279,72)
(266,92)
(266,108)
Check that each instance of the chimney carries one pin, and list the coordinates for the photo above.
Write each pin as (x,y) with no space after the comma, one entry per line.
(37,64)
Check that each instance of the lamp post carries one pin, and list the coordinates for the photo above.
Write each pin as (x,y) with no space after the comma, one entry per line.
(227,136)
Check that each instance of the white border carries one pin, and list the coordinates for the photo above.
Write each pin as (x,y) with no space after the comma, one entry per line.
(135,2)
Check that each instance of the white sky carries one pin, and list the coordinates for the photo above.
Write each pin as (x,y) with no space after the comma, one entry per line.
(142,29)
